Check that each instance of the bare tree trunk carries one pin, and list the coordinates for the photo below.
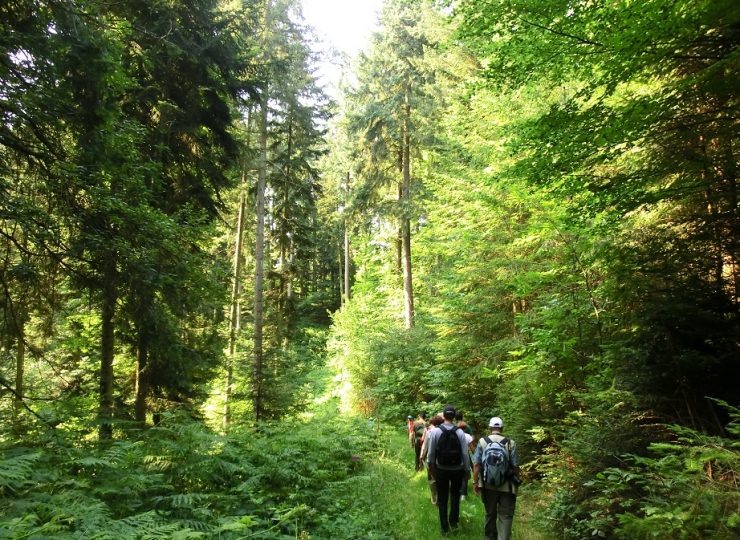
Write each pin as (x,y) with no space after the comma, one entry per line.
(259,250)
(347,263)
(20,363)
(234,306)
(399,238)
(105,410)
(142,378)
(259,261)
(347,255)
(340,266)
(408,291)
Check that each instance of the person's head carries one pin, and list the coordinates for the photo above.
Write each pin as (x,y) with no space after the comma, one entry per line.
(459,416)
(449,413)
(437,420)
(423,415)
(496,424)
(409,417)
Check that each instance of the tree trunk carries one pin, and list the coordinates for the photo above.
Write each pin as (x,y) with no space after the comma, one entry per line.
(259,253)
(347,256)
(347,263)
(142,378)
(234,306)
(399,238)
(259,249)
(408,291)
(105,411)
(20,363)
(342,293)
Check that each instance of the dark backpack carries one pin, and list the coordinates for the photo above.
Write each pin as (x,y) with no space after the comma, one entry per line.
(419,429)
(496,462)
(449,449)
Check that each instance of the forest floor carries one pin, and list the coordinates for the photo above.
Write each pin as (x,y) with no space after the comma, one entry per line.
(408,494)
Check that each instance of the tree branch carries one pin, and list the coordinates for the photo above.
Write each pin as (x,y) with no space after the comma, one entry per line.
(561,33)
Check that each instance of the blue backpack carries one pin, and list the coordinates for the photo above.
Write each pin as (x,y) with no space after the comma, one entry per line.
(496,462)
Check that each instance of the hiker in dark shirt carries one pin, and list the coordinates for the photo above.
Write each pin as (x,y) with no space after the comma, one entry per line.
(420,427)
(448,460)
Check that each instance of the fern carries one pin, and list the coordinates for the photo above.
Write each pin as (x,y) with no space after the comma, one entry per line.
(16,471)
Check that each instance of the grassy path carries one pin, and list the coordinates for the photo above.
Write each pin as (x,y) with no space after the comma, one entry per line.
(405,495)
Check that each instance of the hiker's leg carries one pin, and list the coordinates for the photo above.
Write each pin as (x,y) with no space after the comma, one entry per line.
(506,506)
(443,494)
(488,496)
(432,486)
(456,479)
(417,449)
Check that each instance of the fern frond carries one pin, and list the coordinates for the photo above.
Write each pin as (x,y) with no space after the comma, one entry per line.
(16,471)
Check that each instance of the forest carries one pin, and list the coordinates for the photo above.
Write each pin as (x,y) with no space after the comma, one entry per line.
(222,289)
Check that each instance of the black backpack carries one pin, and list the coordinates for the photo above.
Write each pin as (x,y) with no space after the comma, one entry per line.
(449,449)
(419,429)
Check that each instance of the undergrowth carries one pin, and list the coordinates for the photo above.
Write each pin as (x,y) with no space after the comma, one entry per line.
(181,480)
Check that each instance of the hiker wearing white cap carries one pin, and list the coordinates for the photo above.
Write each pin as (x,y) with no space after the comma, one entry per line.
(495,479)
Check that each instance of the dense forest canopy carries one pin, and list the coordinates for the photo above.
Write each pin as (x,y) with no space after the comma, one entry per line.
(526,208)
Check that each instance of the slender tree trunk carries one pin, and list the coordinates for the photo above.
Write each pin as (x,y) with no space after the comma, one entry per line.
(259,257)
(340,266)
(234,321)
(105,411)
(399,238)
(408,291)
(285,244)
(259,250)
(142,378)
(347,254)
(347,264)
(20,364)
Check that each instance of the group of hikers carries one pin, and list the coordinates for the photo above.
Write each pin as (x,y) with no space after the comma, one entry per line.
(443,445)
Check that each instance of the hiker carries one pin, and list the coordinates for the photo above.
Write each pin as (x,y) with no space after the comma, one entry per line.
(420,427)
(495,479)
(469,439)
(410,429)
(461,423)
(434,421)
(447,459)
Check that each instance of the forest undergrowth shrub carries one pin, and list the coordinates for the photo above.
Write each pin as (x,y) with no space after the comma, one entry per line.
(685,488)
(181,480)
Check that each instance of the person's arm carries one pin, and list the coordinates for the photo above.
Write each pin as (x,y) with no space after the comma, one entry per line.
(464,444)
(477,456)
(515,461)
(431,450)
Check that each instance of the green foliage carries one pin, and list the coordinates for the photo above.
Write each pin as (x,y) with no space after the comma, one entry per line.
(179,480)
(681,489)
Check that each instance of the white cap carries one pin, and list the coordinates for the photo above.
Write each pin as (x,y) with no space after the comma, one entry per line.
(496,422)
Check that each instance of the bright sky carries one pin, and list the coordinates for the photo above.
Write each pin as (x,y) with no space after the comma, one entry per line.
(343,25)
